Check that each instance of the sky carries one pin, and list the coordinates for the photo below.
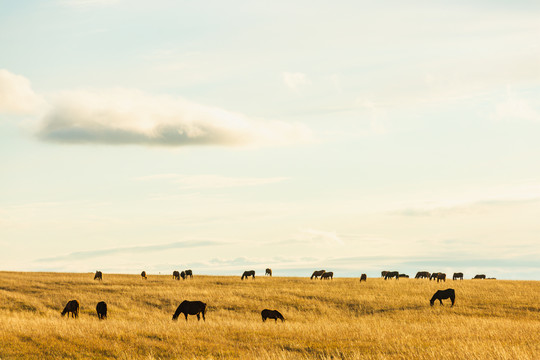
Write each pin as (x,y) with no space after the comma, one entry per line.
(350,136)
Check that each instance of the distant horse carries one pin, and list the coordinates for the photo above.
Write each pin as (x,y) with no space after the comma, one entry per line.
(183,275)
(443,294)
(317,273)
(72,307)
(422,275)
(441,277)
(189,273)
(268,272)
(328,275)
(143,275)
(457,276)
(434,276)
(363,277)
(98,276)
(249,273)
(176,275)
(190,308)
(271,314)
(101,309)
(383,273)
(404,276)
(481,276)
(391,274)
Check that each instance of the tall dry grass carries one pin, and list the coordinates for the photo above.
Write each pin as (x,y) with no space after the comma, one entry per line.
(339,319)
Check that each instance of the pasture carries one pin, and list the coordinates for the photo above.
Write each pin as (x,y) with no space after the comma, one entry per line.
(330,319)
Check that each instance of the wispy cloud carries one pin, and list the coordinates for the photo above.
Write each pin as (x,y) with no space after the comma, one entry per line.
(211,181)
(16,94)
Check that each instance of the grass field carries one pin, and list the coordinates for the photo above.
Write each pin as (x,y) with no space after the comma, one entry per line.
(335,319)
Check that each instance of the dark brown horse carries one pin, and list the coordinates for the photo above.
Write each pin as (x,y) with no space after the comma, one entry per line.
(434,276)
(422,275)
(391,274)
(328,275)
(98,276)
(443,294)
(268,272)
(404,276)
(143,275)
(317,273)
(183,275)
(176,275)
(441,277)
(271,314)
(190,308)
(101,309)
(481,276)
(363,277)
(383,273)
(72,307)
(457,276)
(249,273)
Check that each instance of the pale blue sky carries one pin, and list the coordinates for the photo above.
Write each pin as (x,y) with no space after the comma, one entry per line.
(221,136)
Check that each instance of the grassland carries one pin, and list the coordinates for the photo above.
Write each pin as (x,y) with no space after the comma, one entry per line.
(339,319)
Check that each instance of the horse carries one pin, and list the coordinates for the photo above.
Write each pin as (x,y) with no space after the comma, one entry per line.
(143,275)
(391,274)
(422,275)
(249,273)
(317,273)
(443,294)
(441,277)
(98,276)
(383,273)
(481,276)
(434,276)
(363,277)
(328,275)
(271,314)
(72,307)
(189,273)
(190,308)
(183,275)
(268,272)
(176,275)
(101,309)
(457,276)
(404,276)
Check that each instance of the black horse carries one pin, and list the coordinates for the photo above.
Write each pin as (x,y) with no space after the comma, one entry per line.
(480,276)
(190,308)
(72,307)
(443,294)
(422,275)
(101,309)
(143,275)
(363,277)
(98,276)
(176,275)
(271,314)
(457,276)
(268,272)
(317,273)
(189,273)
(183,275)
(328,275)
(249,273)
(391,274)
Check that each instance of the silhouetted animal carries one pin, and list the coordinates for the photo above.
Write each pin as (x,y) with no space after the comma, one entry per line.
(72,307)
(317,273)
(98,276)
(457,276)
(189,273)
(249,273)
(434,276)
(391,274)
(404,276)
(441,277)
(363,277)
(271,314)
(101,309)
(443,294)
(328,275)
(481,276)
(268,272)
(143,275)
(176,275)
(183,275)
(190,308)
(422,275)
(383,273)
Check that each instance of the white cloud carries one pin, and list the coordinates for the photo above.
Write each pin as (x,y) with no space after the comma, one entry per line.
(212,181)
(295,81)
(128,116)
(16,94)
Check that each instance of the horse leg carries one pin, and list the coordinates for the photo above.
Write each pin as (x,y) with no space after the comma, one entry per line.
(198,317)
(185,315)
(441,302)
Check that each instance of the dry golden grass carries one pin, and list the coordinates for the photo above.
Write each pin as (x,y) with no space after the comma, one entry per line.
(339,319)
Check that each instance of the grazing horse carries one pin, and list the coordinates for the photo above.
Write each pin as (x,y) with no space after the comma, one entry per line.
(183,275)
(457,276)
(143,275)
(434,276)
(404,276)
(422,275)
(441,277)
(391,274)
(189,273)
(72,307)
(271,314)
(481,276)
(363,277)
(190,308)
(268,272)
(98,276)
(176,275)
(328,275)
(443,294)
(101,309)
(249,273)
(317,273)
(383,273)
